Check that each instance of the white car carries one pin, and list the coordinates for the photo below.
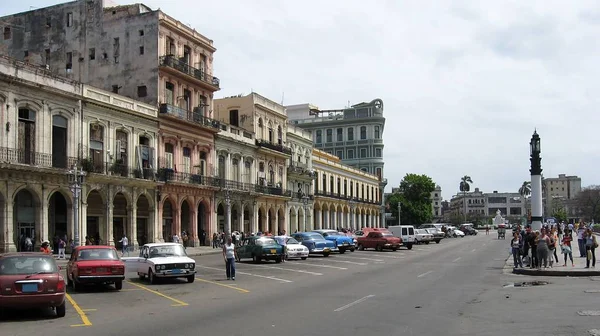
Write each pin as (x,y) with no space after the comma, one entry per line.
(293,247)
(162,260)
(422,236)
(458,233)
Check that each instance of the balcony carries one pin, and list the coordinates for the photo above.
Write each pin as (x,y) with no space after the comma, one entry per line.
(344,197)
(173,62)
(275,191)
(117,169)
(193,117)
(19,156)
(273,146)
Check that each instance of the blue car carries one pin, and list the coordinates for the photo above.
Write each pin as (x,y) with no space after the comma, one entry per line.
(343,242)
(315,243)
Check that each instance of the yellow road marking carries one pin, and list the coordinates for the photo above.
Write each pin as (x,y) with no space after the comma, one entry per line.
(82,315)
(89,310)
(224,285)
(130,289)
(179,303)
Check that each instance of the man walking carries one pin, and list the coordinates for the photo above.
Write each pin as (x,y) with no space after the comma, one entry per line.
(125,243)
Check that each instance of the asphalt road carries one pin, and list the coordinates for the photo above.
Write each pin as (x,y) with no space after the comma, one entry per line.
(454,288)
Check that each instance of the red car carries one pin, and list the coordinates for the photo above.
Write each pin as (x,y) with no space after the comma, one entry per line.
(95,264)
(30,280)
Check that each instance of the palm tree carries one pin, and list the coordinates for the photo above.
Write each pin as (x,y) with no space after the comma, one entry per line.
(465,186)
(525,189)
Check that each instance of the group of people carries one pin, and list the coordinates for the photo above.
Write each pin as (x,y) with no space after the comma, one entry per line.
(537,249)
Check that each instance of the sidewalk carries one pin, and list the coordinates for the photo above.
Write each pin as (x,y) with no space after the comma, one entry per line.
(191,251)
(558,270)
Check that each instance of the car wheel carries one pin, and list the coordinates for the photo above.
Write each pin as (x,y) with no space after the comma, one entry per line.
(437,241)
(151,277)
(426,243)
(360,247)
(69,282)
(141,276)
(303,258)
(409,246)
(416,242)
(352,249)
(74,284)
(191,278)
(118,285)
(342,251)
(394,249)
(61,310)
(278,260)
(256,259)
(326,254)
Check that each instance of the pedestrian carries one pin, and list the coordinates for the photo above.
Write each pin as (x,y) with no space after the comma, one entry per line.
(517,244)
(554,236)
(543,242)
(45,248)
(566,248)
(590,248)
(581,240)
(61,248)
(124,245)
(230,255)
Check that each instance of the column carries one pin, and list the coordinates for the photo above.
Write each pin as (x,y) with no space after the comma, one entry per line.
(71,223)
(228,167)
(158,222)
(109,239)
(131,231)
(325,219)
(9,221)
(194,240)
(255,217)
(276,229)
(82,223)
(317,220)
(151,224)
(227,214)
(43,220)
(241,219)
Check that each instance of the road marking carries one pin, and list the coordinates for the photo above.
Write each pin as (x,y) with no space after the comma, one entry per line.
(287,269)
(353,303)
(84,319)
(250,274)
(316,265)
(89,310)
(342,261)
(385,255)
(424,274)
(370,259)
(131,289)
(473,250)
(178,303)
(457,259)
(223,285)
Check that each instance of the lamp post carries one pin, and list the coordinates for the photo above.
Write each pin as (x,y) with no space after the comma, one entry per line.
(353,214)
(535,150)
(76,178)
(227,212)
(305,202)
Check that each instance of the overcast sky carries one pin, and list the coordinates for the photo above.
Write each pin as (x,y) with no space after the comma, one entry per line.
(463,84)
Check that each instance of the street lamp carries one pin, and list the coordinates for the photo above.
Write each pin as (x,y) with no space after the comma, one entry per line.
(228,212)
(305,202)
(76,178)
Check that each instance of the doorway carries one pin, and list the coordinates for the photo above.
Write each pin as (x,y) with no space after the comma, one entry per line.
(59,142)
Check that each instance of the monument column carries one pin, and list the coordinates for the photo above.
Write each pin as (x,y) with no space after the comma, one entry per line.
(536,182)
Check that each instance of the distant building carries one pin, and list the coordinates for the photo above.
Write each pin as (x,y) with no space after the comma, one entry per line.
(510,204)
(436,202)
(561,192)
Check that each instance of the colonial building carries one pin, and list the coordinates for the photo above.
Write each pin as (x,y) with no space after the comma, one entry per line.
(354,134)
(481,205)
(300,180)
(52,123)
(268,121)
(345,197)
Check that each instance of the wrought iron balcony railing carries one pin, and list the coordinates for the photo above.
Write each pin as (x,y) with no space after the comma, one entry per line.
(194,117)
(175,63)
(20,156)
(274,146)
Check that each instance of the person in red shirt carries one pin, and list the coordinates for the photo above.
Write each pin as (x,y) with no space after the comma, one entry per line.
(566,248)
(46,248)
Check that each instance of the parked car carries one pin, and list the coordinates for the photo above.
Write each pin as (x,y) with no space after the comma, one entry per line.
(468,229)
(95,264)
(422,236)
(379,240)
(437,234)
(260,248)
(315,243)
(162,260)
(343,242)
(31,280)
(406,233)
(293,247)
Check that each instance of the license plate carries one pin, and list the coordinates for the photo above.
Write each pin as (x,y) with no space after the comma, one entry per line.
(100,270)
(176,271)
(273,251)
(345,244)
(326,249)
(29,288)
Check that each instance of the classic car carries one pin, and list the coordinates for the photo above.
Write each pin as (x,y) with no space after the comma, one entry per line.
(293,247)
(260,248)
(422,236)
(95,264)
(316,243)
(437,234)
(31,280)
(162,260)
(379,240)
(343,242)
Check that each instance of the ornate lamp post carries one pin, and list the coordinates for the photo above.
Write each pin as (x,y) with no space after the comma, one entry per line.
(305,202)
(535,150)
(76,178)
(227,212)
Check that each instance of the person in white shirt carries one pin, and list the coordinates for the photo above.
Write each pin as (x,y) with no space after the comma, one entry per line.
(125,243)
(230,255)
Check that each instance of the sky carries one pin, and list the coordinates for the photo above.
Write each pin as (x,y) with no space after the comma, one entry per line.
(464,83)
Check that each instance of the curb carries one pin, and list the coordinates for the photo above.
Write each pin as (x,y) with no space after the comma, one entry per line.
(534,272)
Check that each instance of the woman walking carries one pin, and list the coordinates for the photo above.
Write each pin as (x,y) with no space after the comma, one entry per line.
(590,248)
(542,249)
(554,237)
(230,255)
(517,245)
(566,248)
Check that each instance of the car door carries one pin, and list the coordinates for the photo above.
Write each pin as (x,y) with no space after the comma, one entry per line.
(241,250)
(142,260)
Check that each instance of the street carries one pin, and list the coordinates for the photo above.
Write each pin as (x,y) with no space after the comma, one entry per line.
(452,288)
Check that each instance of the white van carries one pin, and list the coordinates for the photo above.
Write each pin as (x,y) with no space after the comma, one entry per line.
(406,233)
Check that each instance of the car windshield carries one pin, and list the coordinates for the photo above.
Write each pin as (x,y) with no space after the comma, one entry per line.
(265,241)
(167,251)
(21,265)
(313,236)
(98,254)
(291,240)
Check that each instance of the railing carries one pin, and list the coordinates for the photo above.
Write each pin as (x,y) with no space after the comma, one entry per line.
(175,63)
(190,116)
(123,170)
(19,156)
(274,146)
(272,191)
(344,197)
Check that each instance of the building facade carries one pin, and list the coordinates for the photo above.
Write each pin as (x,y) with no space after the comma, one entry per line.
(353,134)
(267,120)
(53,123)
(560,192)
(345,197)
(479,204)
(436,202)
(300,179)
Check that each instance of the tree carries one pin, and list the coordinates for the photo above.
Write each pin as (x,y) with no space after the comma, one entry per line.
(465,186)
(525,189)
(414,197)
(588,202)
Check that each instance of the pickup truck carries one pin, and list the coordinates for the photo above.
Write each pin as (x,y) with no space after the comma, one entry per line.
(379,240)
